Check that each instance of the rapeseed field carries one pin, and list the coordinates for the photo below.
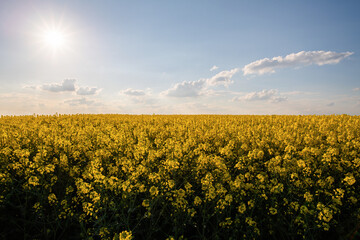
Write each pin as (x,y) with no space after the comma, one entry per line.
(179,177)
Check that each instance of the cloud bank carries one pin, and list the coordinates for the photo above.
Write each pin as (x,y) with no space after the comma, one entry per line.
(259,67)
(299,59)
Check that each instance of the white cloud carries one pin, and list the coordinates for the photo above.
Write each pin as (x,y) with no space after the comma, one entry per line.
(133,92)
(264,95)
(67,85)
(200,87)
(214,68)
(186,89)
(87,91)
(299,59)
(222,78)
(356,89)
(330,104)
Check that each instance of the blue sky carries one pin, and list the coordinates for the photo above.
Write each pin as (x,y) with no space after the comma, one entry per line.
(180,57)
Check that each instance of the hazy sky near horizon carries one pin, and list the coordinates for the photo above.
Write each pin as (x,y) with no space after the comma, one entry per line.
(180,57)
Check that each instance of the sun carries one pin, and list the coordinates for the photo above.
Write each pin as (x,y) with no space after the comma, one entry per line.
(54,39)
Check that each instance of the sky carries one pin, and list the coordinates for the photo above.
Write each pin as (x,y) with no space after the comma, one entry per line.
(180,57)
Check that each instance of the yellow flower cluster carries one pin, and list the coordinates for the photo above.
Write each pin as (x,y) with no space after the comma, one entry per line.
(158,177)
